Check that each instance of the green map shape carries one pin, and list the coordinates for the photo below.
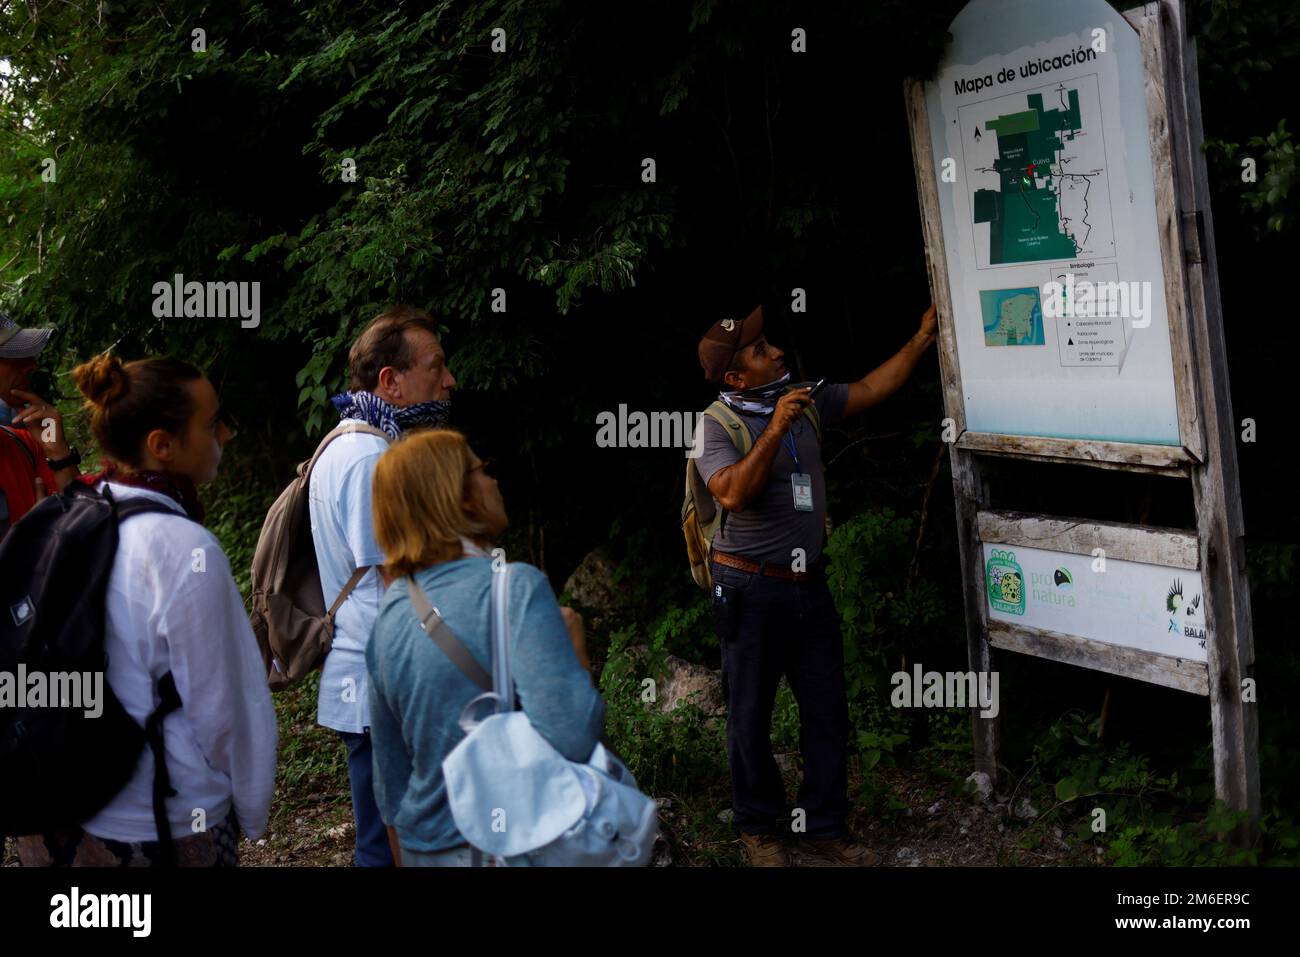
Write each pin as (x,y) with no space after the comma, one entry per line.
(1012,317)
(1024,222)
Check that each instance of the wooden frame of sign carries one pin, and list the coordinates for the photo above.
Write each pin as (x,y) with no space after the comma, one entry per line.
(1207,456)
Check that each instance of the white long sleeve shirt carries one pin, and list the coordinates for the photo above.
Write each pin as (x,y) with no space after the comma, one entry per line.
(172,605)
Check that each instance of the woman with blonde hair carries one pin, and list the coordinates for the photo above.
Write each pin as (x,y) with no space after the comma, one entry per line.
(437,514)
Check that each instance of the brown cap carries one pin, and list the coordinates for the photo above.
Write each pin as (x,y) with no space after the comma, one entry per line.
(725,338)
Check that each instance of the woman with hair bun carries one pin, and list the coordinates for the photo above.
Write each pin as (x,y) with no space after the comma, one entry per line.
(172,606)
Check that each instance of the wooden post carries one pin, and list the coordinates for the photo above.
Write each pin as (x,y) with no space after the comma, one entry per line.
(1216,485)
(971,493)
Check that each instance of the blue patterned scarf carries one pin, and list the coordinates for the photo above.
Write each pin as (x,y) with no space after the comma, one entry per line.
(760,400)
(390,419)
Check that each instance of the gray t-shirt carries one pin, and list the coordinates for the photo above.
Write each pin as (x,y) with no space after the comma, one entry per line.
(770,528)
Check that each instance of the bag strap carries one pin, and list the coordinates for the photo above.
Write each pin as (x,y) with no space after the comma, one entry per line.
(726,417)
(451,646)
(169,701)
(739,435)
(124,508)
(334,433)
(352,583)
(502,679)
(503,684)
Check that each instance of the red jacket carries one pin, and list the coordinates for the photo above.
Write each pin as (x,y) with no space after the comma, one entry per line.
(22,461)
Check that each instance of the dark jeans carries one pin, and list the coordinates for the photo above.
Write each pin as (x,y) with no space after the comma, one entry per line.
(372,837)
(791,628)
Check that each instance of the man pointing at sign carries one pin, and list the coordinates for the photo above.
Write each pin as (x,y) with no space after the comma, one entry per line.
(772,610)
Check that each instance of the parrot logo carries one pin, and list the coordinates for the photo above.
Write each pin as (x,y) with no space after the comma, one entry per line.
(1174,600)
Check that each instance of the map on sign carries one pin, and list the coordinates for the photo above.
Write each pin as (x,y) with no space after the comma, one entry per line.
(1042,174)
(1012,317)
(1036,165)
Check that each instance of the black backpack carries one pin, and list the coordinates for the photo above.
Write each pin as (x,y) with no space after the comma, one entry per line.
(57,766)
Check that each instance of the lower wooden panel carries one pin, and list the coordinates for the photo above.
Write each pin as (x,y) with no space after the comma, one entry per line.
(1180,673)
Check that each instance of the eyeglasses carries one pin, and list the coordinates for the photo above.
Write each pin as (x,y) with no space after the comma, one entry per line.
(489,467)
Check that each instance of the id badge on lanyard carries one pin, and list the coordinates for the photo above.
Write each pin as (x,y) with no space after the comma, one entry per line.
(800,482)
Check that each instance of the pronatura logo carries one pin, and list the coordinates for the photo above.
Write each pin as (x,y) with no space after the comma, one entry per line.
(211,300)
(1085,299)
(650,430)
(103,910)
(1061,584)
(83,690)
(952,689)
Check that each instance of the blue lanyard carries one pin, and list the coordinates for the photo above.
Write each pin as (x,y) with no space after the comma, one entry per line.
(793,454)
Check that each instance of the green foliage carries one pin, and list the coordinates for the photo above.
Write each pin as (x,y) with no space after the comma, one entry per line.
(463,157)
(1245,44)
(1151,819)
(312,763)
(1269,198)
(685,632)
(236,507)
(665,752)
(1248,48)
(882,611)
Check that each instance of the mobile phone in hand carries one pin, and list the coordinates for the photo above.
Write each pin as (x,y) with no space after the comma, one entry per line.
(817,387)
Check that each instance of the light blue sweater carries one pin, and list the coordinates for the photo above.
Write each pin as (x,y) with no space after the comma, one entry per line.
(417,694)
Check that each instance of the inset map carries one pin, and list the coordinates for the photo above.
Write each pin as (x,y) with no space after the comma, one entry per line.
(1012,317)
(1036,163)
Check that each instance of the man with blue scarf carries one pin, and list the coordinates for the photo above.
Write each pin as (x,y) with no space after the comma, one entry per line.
(772,610)
(399,382)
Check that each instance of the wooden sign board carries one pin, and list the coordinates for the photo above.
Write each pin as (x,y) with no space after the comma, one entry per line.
(1090,103)
(1123,599)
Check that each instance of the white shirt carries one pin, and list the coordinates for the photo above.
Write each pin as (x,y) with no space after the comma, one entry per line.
(343,533)
(172,605)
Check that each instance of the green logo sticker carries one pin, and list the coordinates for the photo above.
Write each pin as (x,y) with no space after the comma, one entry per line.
(1006,583)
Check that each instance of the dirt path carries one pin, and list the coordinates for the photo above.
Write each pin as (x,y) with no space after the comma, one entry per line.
(931,831)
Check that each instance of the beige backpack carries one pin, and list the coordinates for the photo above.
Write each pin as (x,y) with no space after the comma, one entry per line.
(293,628)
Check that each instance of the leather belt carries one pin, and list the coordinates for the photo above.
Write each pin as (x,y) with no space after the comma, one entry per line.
(777,570)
